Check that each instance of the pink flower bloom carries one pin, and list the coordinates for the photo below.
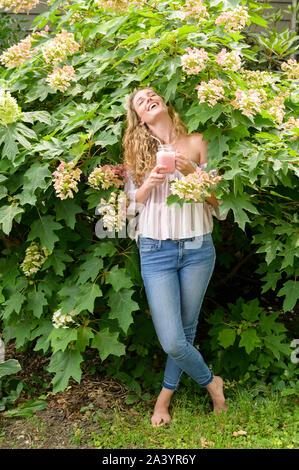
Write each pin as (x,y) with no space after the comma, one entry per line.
(275,108)
(16,55)
(19,6)
(60,79)
(66,180)
(291,68)
(195,9)
(233,20)
(210,92)
(118,5)
(194,61)
(249,102)
(195,186)
(60,47)
(107,176)
(229,60)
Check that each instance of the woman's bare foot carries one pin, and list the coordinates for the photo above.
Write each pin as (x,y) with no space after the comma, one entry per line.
(215,388)
(161,415)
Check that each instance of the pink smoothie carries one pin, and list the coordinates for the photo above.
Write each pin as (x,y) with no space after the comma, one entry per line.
(167,159)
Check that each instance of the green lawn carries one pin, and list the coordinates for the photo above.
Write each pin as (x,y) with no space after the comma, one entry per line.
(269,421)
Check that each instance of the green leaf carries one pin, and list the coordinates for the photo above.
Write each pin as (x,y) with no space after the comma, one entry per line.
(107,343)
(43,228)
(65,364)
(268,323)
(249,340)
(13,304)
(227,337)
(61,337)
(122,307)
(89,269)
(88,293)
(57,259)
(104,249)
(21,331)
(291,291)
(9,367)
(10,147)
(26,410)
(35,302)
(251,310)
(274,343)
(84,335)
(7,214)
(42,331)
(67,210)
(118,278)
(238,206)
(33,178)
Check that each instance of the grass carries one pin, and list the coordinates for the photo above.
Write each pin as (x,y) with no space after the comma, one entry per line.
(268,421)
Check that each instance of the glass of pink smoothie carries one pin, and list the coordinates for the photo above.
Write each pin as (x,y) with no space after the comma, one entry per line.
(166,156)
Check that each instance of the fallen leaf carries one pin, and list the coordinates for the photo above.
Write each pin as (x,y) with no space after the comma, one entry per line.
(240,433)
(205,443)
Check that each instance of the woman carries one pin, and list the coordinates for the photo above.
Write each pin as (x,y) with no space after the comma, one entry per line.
(176,248)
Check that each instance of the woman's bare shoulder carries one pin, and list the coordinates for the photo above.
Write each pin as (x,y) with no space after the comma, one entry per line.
(199,146)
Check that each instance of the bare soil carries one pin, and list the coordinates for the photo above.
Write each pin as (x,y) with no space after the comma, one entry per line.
(62,423)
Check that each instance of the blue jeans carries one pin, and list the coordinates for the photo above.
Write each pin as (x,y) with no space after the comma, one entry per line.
(176,275)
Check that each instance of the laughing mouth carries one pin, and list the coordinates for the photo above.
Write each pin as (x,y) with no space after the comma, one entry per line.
(152,106)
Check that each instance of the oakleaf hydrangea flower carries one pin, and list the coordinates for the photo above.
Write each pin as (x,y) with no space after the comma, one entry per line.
(9,109)
(19,6)
(114,211)
(229,60)
(195,9)
(289,126)
(61,320)
(34,258)
(210,92)
(249,102)
(118,5)
(16,55)
(60,47)
(233,20)
(195,186)
(60,78)
(276,108)
(194,61)
(106,176)
(66,180)
(256,78)
(291,68)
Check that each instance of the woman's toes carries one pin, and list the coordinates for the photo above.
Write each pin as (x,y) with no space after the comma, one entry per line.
(159,419)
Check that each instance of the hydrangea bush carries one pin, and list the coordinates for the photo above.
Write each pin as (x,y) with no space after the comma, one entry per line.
(62,112)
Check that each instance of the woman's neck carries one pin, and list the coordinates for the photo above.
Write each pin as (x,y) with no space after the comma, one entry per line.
(164,130)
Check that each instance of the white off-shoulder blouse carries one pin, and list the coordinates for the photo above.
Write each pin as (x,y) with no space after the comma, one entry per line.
(156,220)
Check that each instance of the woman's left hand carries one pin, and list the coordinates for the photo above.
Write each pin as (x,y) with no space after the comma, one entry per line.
(183,164)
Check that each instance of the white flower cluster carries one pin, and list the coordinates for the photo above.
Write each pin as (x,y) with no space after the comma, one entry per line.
(9,109)
(114,211)
(61,320)
(34,258)
(257,78)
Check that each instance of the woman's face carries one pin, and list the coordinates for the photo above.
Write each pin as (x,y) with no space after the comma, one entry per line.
(148,104)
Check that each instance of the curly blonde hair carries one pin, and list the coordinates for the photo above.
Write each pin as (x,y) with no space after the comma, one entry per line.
(139,145)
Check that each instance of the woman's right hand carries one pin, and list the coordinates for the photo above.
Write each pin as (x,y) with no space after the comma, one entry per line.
(155,178)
